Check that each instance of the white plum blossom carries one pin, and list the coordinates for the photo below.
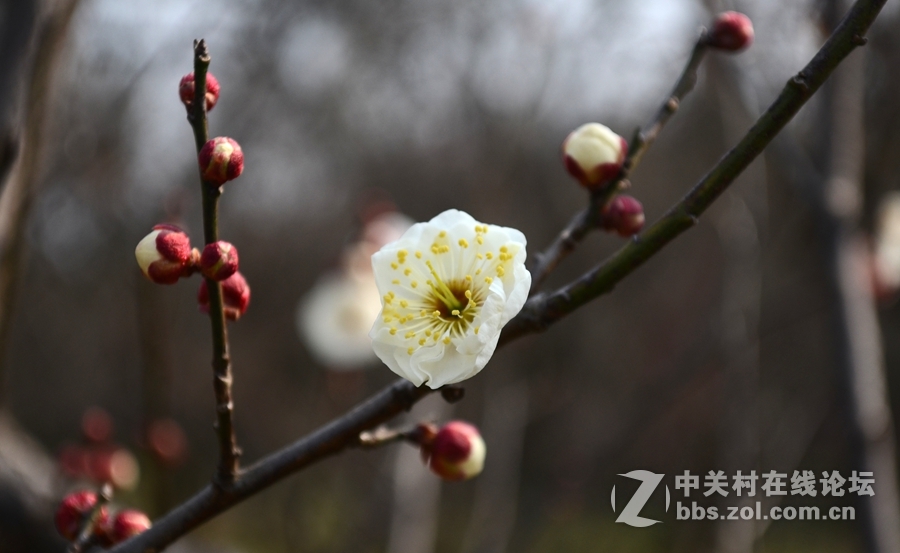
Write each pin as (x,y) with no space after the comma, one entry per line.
(887,243)
(334,318)
(447,288)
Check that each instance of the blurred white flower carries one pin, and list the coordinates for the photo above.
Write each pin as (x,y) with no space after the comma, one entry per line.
(887,242)
(335,316)
(448,287)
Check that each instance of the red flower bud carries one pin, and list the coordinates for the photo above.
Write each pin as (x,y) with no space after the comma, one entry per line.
(235,295)
(731,31)
(126,524)
(114,465)
(457,452)
(593,155)
(624,215)
(219,260)
(96,425)
(186,90)
(221,160)
(73,512)
(167,442)
(164,253)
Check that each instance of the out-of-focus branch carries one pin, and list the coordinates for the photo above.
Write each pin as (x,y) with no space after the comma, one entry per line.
(25,171)
(540,311)
(589,218)
(229,452)
(544,309)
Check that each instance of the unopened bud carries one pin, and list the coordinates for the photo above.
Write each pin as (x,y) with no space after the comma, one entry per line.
(457,452)
(731,31)
(117,466)
(96,425)
(163,254)
(74,511)
(593,155)
(624,215)
(219,260)
(221,160)
(167,442)
(126,524)
(186,90)
(235,296)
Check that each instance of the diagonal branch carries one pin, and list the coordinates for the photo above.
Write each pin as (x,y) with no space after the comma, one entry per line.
(540,311)
(545,309)
(229,452)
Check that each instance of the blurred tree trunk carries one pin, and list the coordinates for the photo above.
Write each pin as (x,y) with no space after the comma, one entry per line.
(740,226)
(27,473)
(26,170)
(859,339)
(417,492)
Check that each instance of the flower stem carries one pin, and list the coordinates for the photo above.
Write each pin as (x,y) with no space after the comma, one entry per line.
(229,452)
(589,218)
(543,310)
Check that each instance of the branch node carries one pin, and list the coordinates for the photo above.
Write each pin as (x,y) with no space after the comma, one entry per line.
(858,40)
(799,80)
(672,105)
(453,394)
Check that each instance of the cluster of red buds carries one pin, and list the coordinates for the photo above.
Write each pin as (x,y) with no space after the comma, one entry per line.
(98,459)
(454,451)
(593,155)
(165,255)
(75,510)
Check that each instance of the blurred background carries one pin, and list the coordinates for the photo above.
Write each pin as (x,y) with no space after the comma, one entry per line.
(739,346)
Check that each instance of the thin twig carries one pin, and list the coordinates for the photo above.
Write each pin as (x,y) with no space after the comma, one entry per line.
(544,309)
(589,218)
(229,452)
(540,311)
(328,440)
(86,534)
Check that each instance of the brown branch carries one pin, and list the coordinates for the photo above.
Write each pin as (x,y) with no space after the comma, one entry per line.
(324,442)
(540,311)
(543,310)
(229,452)
(589,218)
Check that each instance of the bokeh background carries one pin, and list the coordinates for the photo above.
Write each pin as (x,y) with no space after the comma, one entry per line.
(723,352)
